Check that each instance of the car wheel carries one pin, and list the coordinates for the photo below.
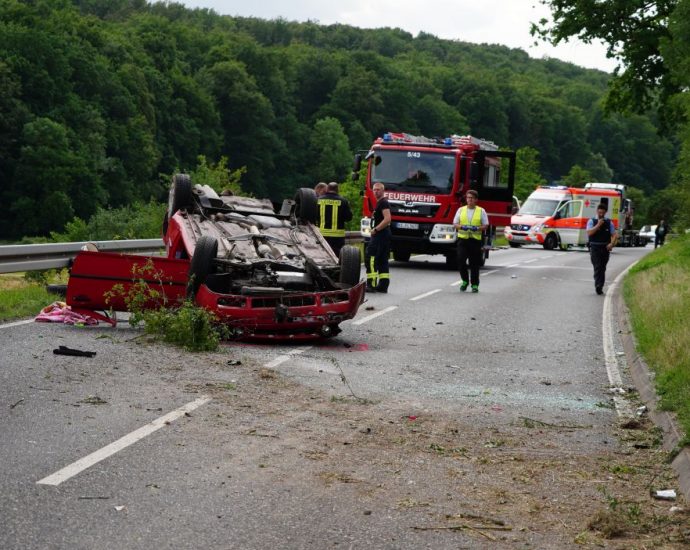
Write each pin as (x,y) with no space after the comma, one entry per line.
(350,265)
(551,241)
(401,255)
(59,290)
(306,205)
(512,244)
(201,265)
(180,194)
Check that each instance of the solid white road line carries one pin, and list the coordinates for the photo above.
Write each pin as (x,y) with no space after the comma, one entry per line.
(374,315)
(82,464)
(623,407)
(425,295)
(282,358)
(17,323)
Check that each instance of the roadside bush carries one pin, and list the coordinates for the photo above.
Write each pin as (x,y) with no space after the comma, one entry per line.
(136,221)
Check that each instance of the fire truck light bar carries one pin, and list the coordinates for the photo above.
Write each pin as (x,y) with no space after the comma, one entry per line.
(454,140)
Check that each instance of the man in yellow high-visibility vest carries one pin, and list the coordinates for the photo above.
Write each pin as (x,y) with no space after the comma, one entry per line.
(471,221)
(334,212)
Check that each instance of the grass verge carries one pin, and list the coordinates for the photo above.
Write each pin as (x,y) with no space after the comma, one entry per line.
(657,291)
(20,298)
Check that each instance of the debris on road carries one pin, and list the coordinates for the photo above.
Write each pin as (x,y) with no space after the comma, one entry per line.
(64,350)
(665,494)
(93,400)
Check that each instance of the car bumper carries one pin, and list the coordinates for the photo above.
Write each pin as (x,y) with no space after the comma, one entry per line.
(283,316)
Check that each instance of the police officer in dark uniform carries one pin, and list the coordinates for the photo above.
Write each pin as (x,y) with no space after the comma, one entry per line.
(334,212)
(602,238)
(379,248)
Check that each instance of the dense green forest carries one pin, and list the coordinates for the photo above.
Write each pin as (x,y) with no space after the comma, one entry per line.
(101,100)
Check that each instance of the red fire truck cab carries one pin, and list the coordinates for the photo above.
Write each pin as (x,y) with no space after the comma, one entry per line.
(425,183)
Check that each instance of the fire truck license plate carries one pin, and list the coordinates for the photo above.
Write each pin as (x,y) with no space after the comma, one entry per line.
(406,225)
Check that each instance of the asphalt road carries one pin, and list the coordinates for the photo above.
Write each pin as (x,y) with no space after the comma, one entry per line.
(528,345)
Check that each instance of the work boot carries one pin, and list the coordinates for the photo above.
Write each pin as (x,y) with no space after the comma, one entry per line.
(382,287)
(371,288)
(463,286)
(475,288)
(600,290)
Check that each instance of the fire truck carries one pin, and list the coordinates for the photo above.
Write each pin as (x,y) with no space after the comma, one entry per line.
(425,183)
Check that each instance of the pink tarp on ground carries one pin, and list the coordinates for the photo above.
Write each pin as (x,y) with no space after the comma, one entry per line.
(60,312)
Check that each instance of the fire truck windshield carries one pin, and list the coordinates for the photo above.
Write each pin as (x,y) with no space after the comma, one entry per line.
(539,207)
(414,170)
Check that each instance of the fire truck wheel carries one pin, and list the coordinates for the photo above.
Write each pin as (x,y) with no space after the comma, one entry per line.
(180,194)
(551,242)
(201,266)
(350,265)
(401,255)
(306,206)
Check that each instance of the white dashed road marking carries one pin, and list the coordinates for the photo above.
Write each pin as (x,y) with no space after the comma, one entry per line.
(425,295)
(282,358)
(82,464)
(374,315)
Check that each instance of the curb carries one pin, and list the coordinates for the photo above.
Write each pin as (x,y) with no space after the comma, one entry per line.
(644,383)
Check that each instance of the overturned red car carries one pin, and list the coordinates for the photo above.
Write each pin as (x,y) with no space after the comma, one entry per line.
(265,274)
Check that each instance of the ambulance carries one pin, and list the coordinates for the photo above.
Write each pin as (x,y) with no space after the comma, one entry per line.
(556,216)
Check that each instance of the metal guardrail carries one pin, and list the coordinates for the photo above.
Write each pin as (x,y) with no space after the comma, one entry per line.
(34,257)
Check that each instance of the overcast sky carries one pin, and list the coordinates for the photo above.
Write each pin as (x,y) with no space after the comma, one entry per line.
(504,22)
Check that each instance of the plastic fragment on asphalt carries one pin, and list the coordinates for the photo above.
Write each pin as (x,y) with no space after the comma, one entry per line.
(665,494)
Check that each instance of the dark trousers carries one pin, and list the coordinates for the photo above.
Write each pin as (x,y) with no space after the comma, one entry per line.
(659,240)
(469,251)
(336,243)
(376,260)
(600,257)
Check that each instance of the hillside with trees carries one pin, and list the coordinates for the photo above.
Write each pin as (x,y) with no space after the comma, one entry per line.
(100,101)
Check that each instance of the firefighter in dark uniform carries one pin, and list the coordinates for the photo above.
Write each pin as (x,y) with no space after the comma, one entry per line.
(334,212)
(602,238)
(379,248)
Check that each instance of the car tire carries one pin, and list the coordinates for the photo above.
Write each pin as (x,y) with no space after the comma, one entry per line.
(350,265)
(401,255)
(452,260)
(59,290)
(551,242)
(180,194)
(512,244)
(306,205)
(201,265)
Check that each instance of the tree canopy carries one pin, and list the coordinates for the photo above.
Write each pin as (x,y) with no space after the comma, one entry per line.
(101,100)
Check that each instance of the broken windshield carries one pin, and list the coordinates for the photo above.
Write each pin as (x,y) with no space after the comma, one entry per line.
(414,171)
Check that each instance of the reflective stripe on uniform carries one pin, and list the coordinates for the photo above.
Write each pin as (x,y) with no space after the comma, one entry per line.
(372,274)
(330,229)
